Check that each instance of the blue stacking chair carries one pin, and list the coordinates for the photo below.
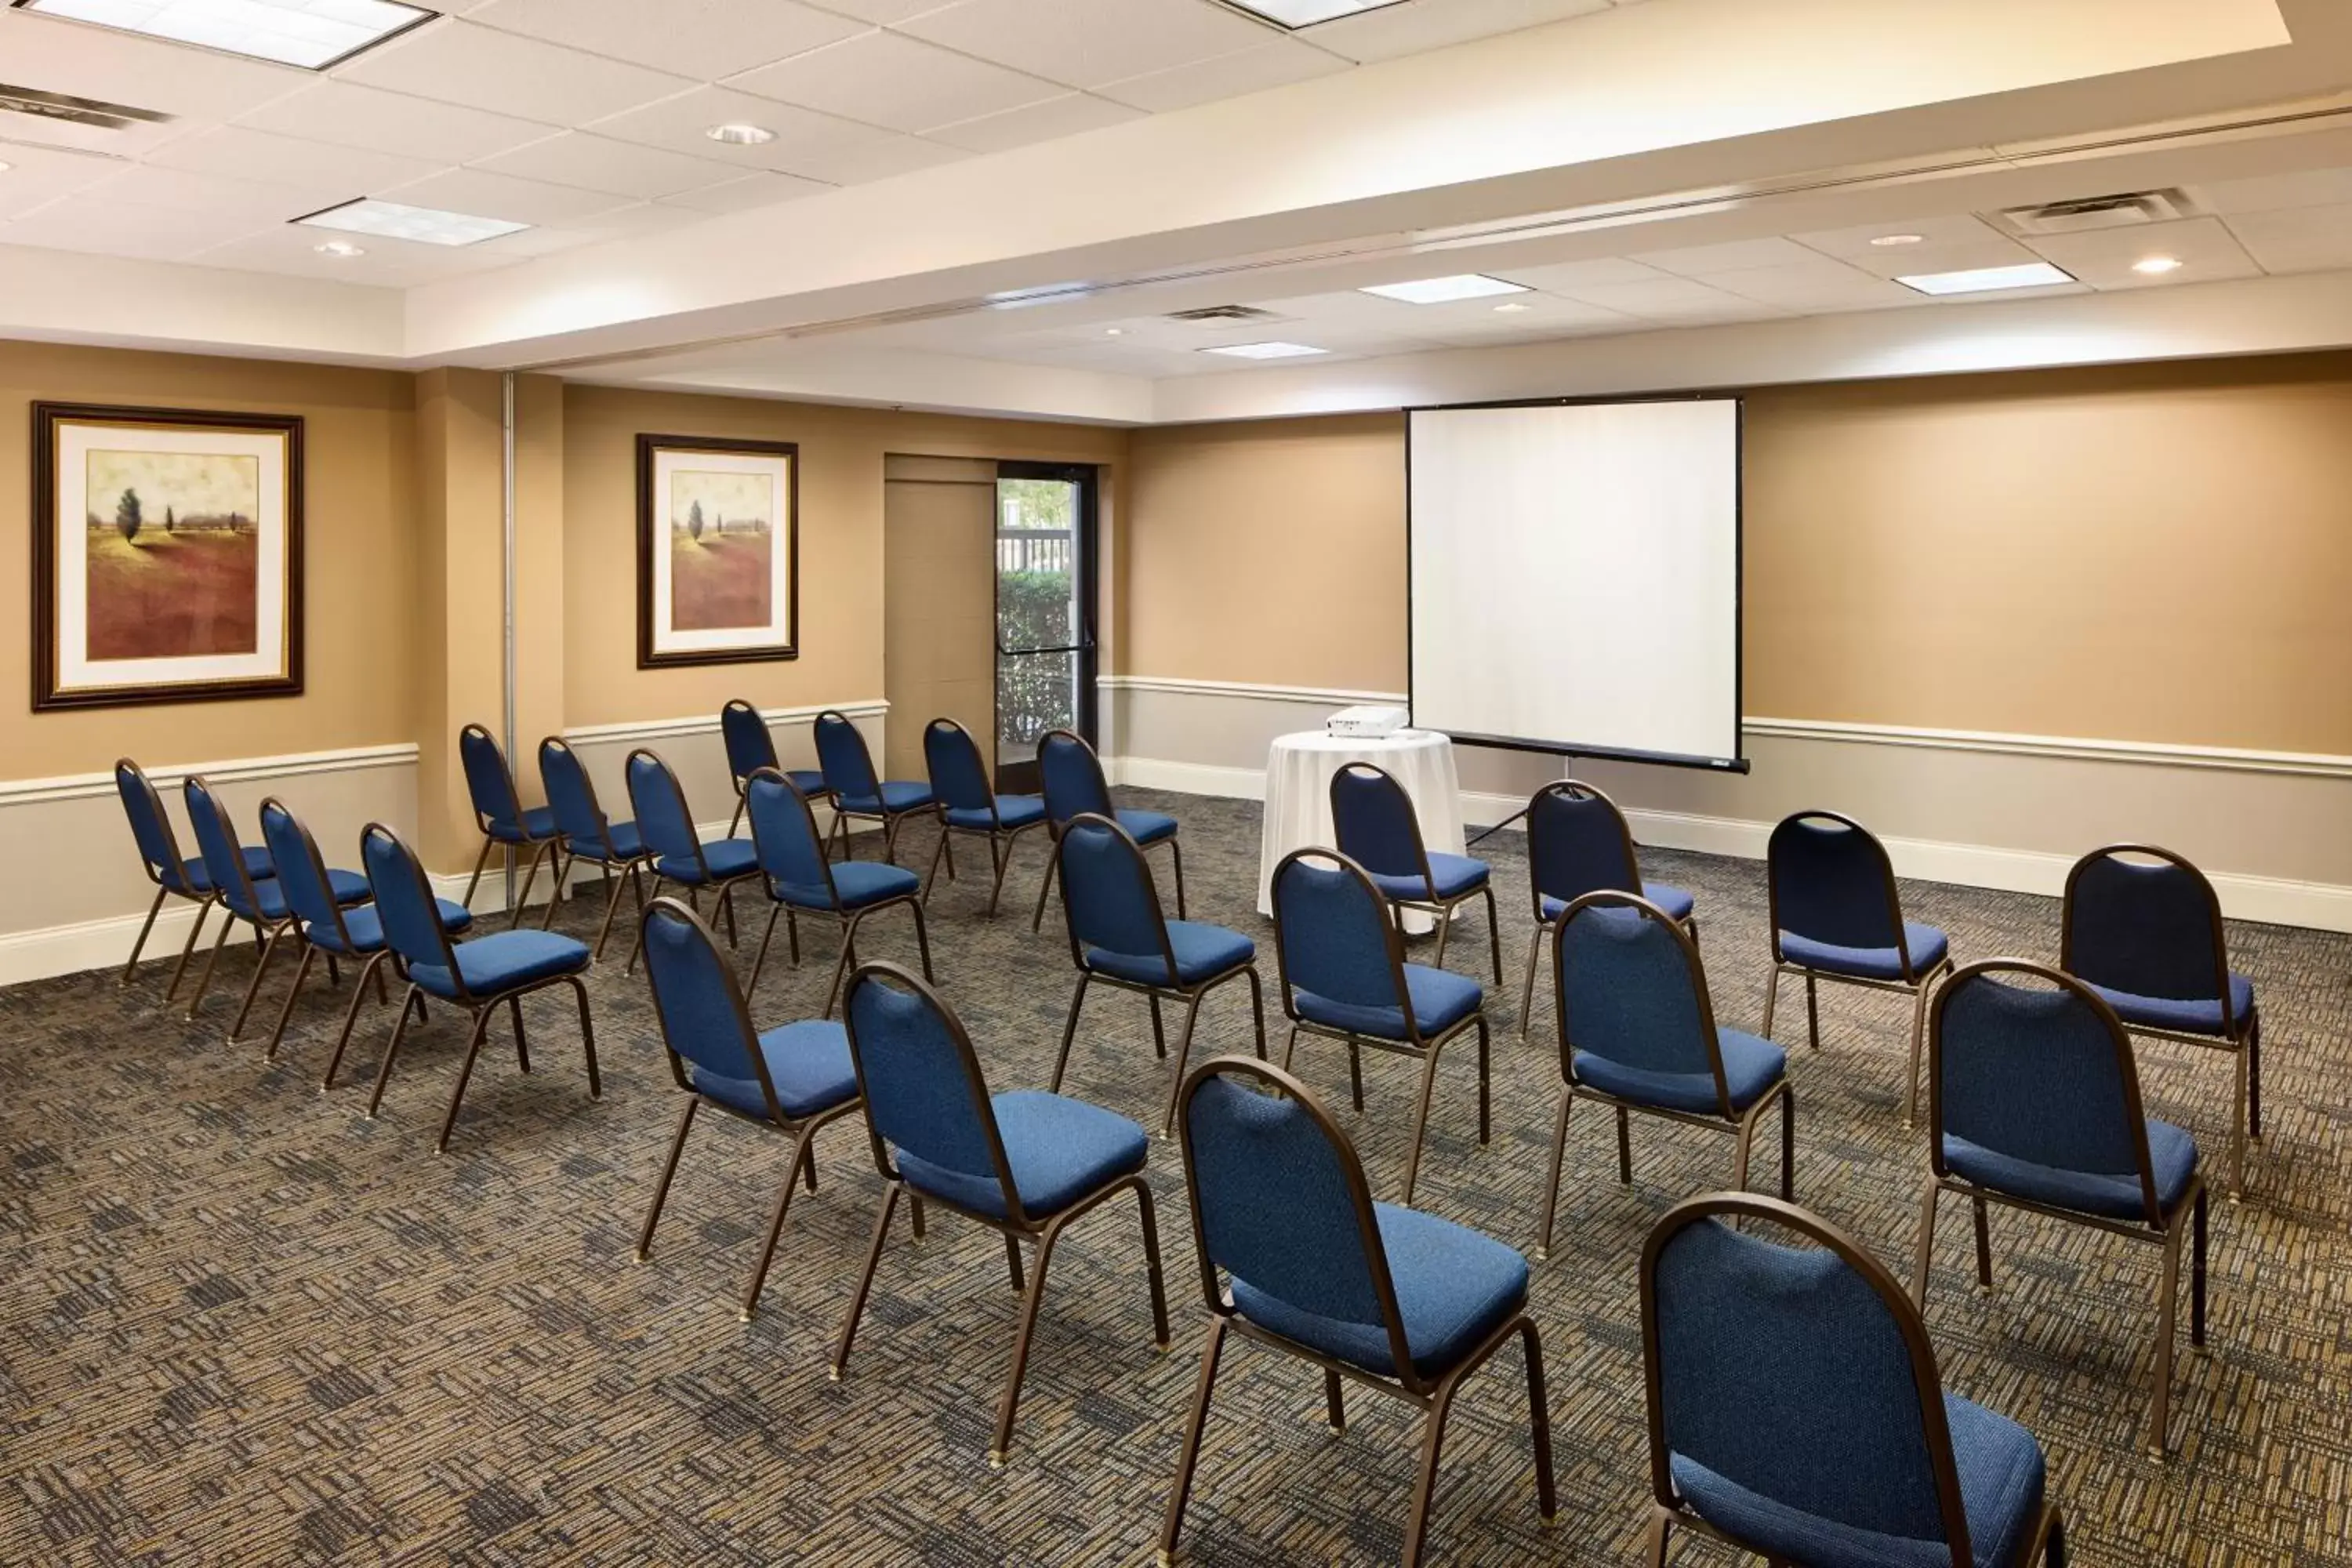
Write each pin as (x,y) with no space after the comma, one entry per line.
(1074,786)
(1378,829)
(750,748)
(2033,1101)
(849,777)
(1796,1411)
(679,854)
(795,1078)
(1637,1032)
(499,813)
(474,975)
(159,855)
(1836,915)
(259,904)
(587,835)
(1023,1164)
(1119,936)
(1578,843)
(323,926)
(801,880)
(968,803)
(1384,1296)
(2142,926)
(1344,976)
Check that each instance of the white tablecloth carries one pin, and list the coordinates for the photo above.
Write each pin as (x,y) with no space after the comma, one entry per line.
(1298,770)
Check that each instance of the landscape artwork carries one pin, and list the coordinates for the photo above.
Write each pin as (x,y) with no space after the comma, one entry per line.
(717,558)
(168,558)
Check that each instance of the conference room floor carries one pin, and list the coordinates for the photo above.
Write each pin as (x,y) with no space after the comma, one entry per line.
(239,1323)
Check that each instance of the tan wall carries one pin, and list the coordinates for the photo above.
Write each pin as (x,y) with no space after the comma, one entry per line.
(938,603)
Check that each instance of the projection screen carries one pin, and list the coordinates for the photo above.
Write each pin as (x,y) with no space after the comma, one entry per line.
(1575,577)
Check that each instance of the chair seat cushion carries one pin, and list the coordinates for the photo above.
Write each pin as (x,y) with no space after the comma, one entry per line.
(1147,826)
(1451,875)
(623,842)
(1441,999)
(2001,1477)
(2189,1017)
(1927,947)
(257,866)
(1202,952)
(538,826)
(809,1064)
(898,795)
(1678,902)
(1454,1288)
(860,883)
(2171,1157)
(722,858)
(365,927)
(1750,1066)
(1060,1150)
(1012,811)
(349,887)
(505,960)
(810,782)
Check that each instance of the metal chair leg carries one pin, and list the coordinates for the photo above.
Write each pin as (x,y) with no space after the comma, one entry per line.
(999,857)
(2254,1077)
(1540,1423)
(204,982)
(1484,1091)
(1771,996)
(1013,1262)
(383,1070)
(529,875)
(1445,931)
(1176,854)
(841,964)
(351,1014)
(760,960)
(638,944)
(931,873)
(612,907)
(203,907)
(1053,864)
(1159,1029)
(1528,990)
(2196,1275)
(1984,1249)
(587,1037)
(922,941)
(1183,1049)
(1424,1486)
(522,1049)
(1494,935)
(1335,1404)
(2240,1062)
(1257,1008)
(161,892)
(1813,1012)
(465,1071)
(661,1182)
(1653,1544)
(1926,1251)
(1021,1341)
(301,970)
(801,1155)
(1150,1225)
(2167,1296)
(1788,1144)
(1069,1030)
(865,1280)
(1551,1175)
(1188,1453)
(1289,1046)
(260,968)
(479,861)
(1624,1148)
(1420,1119)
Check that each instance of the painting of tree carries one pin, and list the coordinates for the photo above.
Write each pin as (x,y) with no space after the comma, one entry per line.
(720,577)
(187,588)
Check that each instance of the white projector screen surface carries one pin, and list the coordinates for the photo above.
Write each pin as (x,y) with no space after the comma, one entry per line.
(1575,576)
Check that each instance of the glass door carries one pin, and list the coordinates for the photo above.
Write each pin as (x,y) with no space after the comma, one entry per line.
(1044,612)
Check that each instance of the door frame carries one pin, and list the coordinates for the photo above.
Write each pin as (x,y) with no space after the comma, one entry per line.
(1021,777)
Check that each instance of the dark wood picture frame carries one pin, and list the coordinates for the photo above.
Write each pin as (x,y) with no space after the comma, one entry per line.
(649,447)
(48,417)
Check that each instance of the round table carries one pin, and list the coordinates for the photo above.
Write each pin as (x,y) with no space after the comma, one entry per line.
(1298,770)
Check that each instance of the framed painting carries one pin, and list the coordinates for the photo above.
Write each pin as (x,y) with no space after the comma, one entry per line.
(718,551)
(167,555)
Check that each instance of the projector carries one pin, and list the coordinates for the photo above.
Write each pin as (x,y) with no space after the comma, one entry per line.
(1365,724)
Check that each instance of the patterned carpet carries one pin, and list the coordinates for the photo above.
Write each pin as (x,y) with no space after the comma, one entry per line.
(240,1324)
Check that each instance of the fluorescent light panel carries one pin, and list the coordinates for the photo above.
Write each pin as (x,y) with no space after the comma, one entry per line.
(1265,351)
(1986,280)
(1306,13)
(425,226)
(312,34)
(1444,290)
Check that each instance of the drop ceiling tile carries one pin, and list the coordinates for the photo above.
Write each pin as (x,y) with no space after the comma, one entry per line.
(1274,64)
(345,114)
(1419,25)
(1911,261)
(1539,314)
(1952,231)
(123,67)
(387,263)
(181,190)
(240,153)
(1816,285)
(1673,299)
(1087,43)
(1070,115)
(679,125)
(39,175)
(704,39)
(600,163)
(2207,252)
(905,84)
(744,194)
(2274,193)
(1698,260)
(2298,239)
(89,223)
(879,160)
(1567,277)
(479,193)
(880,13)
(481,68)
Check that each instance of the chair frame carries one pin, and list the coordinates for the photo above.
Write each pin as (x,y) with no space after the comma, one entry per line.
(1572,787)
(1001,840)
(1740,1124)
(723,888)
(890,820)
(266,932)
(2160,1227)
(802,1131)
(1919,987)
(2046,1542)
(1054,829)
(568,852)
(1191,996)
(1016,1225)
(478,1008)
(1443,909)
(541,849)
(302,935)
(850,918)
(1434,1397)
(1425,1050)
(2241,1038)
(178,866)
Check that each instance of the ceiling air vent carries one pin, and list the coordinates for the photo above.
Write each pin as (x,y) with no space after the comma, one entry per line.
(2126,211)
(1223,313)
(92,111)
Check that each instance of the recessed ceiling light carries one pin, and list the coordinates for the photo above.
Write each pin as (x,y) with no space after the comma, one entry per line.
(313,33)
(2155,266)
(1264,351)
(741,135)
(339,248)
(426,226)
(1985,279)
(1897,238)
(1515,305)
(1306,13)
(1444,290)
(1113,332)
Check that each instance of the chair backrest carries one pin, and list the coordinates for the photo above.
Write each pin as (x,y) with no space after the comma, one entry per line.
(959,777)
(217,842)
(301,870)
(1827,878)
(1578,843)
(572,797)
(841,752)
(703,1017)
(2143,919)
(784,832)
(749,747)
(1071,776)
(921,1079)
(1107,893)
(159,846)
(1374,821)
(487,781)
(659,806)
(1632,991)
(1279,1200)
(404,899)
(1334,935)
(1801,1373)
(2041,1072)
